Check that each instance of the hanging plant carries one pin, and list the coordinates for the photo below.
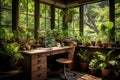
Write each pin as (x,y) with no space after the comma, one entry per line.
(68,13)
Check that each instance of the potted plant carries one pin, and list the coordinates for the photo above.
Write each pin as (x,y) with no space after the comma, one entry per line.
(94,65)
(116,65)
(85,41)
(105,59)
(68,14)
(105,33)
(84,59)
(9,48)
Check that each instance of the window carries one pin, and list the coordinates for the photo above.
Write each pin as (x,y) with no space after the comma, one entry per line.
(117,20)
(26,16)
(73,26)
(58,19)
(6,13)
(94,15)
(45,17)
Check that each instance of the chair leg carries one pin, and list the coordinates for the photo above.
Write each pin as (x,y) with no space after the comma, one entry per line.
(74,73)
(65,75)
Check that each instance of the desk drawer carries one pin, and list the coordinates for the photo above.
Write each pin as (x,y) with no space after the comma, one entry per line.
(39,67)
(56,52)
(39,75)
(39,55)
(39,60)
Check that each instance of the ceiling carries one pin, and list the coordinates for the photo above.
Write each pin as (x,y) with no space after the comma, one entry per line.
(68,3)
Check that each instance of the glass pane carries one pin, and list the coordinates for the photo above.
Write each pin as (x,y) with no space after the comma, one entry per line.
(117,14)
(31,7)
(23,6)
(30,22)
(56,24)
(6,17)
(74,25)
(56,13)
(48,24)
(48,12)
(22,20)
(7,3)
(42,10)
(94,15)
(117,37)
(58,19)
(42,23)
(60,24)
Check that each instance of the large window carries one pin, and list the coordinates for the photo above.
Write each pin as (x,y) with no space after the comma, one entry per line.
(117,20)
(45,17)
(26,16)
(94,15)
(58,19)
(73,26)
(6,13)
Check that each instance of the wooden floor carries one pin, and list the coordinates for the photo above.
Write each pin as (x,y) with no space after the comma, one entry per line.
(79,76)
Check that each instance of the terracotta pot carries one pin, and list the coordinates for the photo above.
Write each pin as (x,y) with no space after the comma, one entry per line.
(105,72)
(98,43)
(92,71)
(104,45)
(84,66)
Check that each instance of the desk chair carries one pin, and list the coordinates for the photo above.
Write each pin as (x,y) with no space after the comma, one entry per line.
(69,60)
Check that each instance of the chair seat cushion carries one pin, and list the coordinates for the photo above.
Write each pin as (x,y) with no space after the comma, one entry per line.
(64,60)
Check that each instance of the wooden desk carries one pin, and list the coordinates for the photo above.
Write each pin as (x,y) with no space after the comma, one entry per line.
(35,61)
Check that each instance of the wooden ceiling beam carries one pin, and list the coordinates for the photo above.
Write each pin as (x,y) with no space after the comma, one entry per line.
(68,3)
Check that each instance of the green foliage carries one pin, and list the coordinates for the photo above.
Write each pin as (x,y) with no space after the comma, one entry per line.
(105,33)
(68,13)
(106,26)
(7,33)
(116,63)
(83,55)
(9,46)
(94,63)
(105,59)
(12,51)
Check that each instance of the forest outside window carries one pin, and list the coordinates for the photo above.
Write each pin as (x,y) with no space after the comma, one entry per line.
(73,27)
(117,20)
(45,17)
(26,16)
(94,15)
(6,13)
(58,19)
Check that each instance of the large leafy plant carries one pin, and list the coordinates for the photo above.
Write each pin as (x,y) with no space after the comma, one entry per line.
(105,30)
(105,59)
(9,45)
(12,50)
